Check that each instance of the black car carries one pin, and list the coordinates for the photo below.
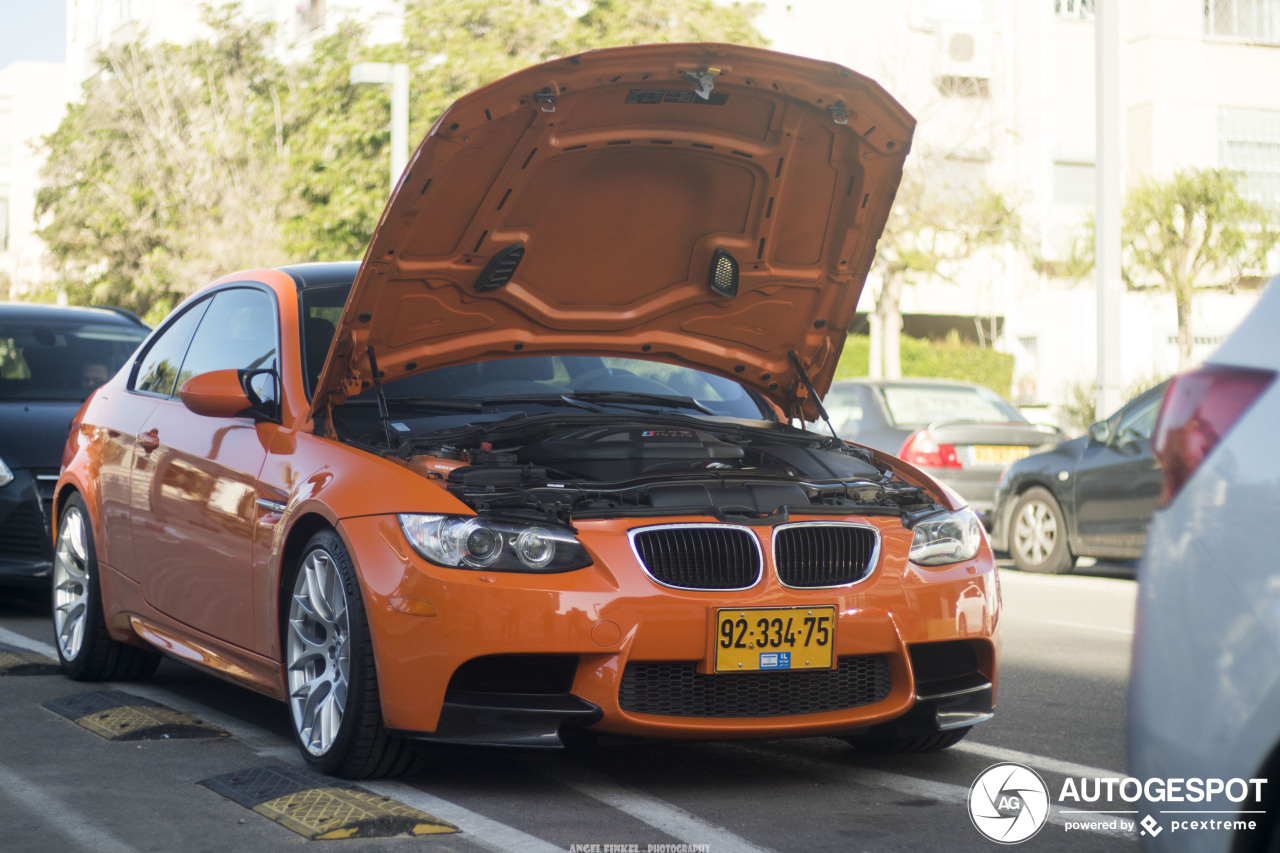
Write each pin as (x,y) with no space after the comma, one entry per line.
(1092,496)
(51,359)
(960,433)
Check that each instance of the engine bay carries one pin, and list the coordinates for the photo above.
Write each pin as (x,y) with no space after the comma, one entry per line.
(558,468)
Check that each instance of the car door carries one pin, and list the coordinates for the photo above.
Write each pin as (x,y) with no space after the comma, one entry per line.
(1118,483)
(195,478)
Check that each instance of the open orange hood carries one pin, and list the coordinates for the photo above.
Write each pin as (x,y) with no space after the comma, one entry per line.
(708,205)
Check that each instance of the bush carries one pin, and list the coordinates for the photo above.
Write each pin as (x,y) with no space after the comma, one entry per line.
(946,359)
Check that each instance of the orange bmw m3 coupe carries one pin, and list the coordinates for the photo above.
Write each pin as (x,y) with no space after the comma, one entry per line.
(548,464)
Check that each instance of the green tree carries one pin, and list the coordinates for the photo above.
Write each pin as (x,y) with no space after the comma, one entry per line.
(184,162)
(1191,230)
(934,226)
(169,171)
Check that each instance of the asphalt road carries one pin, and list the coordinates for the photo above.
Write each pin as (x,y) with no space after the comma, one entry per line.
(1061,712)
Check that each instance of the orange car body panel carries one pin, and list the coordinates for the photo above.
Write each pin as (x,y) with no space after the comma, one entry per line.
(204,579)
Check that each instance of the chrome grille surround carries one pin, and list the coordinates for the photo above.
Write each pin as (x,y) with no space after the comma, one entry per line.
(684,541)
(802,564)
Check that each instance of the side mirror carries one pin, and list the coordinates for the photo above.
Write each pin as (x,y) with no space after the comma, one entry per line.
(1100,432)
(225,394)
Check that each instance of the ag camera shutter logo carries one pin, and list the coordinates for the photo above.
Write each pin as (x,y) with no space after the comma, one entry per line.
(1008,803)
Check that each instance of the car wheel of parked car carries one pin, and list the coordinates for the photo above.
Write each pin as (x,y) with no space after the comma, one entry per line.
(332,680)
(86,649)
(1038,534)
(889,742)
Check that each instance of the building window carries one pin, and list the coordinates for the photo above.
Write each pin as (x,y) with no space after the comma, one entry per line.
(1074,184)
(1256,21)
(1074,8)
(1249,143)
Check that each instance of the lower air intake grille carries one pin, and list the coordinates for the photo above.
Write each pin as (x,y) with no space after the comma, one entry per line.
(677,689)
(22,532)
(699,556)
(820,555)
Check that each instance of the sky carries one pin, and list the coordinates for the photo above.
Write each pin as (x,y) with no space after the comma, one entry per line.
(33,29)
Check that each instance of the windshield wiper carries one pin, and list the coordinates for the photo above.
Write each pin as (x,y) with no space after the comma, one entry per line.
(441,404)
(624,397)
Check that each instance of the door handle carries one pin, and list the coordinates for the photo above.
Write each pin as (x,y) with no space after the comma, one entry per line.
(149,440)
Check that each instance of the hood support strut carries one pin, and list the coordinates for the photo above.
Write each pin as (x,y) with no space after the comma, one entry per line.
(813,395)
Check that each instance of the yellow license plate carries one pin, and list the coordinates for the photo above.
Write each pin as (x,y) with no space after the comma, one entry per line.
(751,639)
(998,454)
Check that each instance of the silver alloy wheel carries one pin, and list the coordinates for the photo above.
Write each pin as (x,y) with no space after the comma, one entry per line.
(318,656)
(70,584)
(1035,532)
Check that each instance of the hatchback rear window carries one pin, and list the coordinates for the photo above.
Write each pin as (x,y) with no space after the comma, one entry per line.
(912,405)
(62,361)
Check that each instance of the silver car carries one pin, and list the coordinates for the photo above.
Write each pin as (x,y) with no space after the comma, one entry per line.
(1204,698)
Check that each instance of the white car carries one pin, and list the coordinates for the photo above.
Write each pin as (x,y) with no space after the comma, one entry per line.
(1205,692)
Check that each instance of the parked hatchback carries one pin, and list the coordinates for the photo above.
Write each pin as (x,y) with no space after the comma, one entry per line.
(1089,497)
(962,434)
(527,473)
(51,359)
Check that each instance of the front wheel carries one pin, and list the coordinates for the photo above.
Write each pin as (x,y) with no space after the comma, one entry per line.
(85,648)
(1038,534)
(332,678)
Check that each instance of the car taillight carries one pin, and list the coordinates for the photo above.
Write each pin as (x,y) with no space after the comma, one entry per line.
(920,449)
(1199,408)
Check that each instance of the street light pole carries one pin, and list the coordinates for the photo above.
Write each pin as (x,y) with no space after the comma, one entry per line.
(397,76)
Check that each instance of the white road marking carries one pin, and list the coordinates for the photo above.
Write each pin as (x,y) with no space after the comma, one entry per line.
(21,641)
(59,814)
(1035,762)
(661,815)
(1062,623)
(478,828)
(925,788)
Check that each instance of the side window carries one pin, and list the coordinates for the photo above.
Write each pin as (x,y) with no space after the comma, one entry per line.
(238,331)
(1142,421)
(158,371)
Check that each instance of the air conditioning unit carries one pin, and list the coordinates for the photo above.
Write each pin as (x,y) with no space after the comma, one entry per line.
(965,52)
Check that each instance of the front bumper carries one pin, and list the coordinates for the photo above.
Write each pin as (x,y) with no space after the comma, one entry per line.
(607,650)
(26,545)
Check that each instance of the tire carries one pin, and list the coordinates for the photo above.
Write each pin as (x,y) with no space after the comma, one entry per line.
(85,648)
(1038,534)
(899,743)
(330,671)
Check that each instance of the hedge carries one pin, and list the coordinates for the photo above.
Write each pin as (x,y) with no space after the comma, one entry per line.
(945,359)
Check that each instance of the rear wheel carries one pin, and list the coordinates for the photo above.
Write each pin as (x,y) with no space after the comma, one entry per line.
(1038,534)
(891,742)
(86,649)
(332,679)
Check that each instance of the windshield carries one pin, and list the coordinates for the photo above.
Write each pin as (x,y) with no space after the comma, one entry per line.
(920,405)
(62,361)
(536,384)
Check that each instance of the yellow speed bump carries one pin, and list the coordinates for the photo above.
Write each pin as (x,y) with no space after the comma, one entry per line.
(14,661)
(120,716)
(321,807)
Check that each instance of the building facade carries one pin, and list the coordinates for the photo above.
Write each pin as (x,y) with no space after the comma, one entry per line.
(1004,91)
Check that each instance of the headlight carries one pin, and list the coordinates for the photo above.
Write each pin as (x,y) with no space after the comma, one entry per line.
(6,476)
(471,542)
(947,538)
